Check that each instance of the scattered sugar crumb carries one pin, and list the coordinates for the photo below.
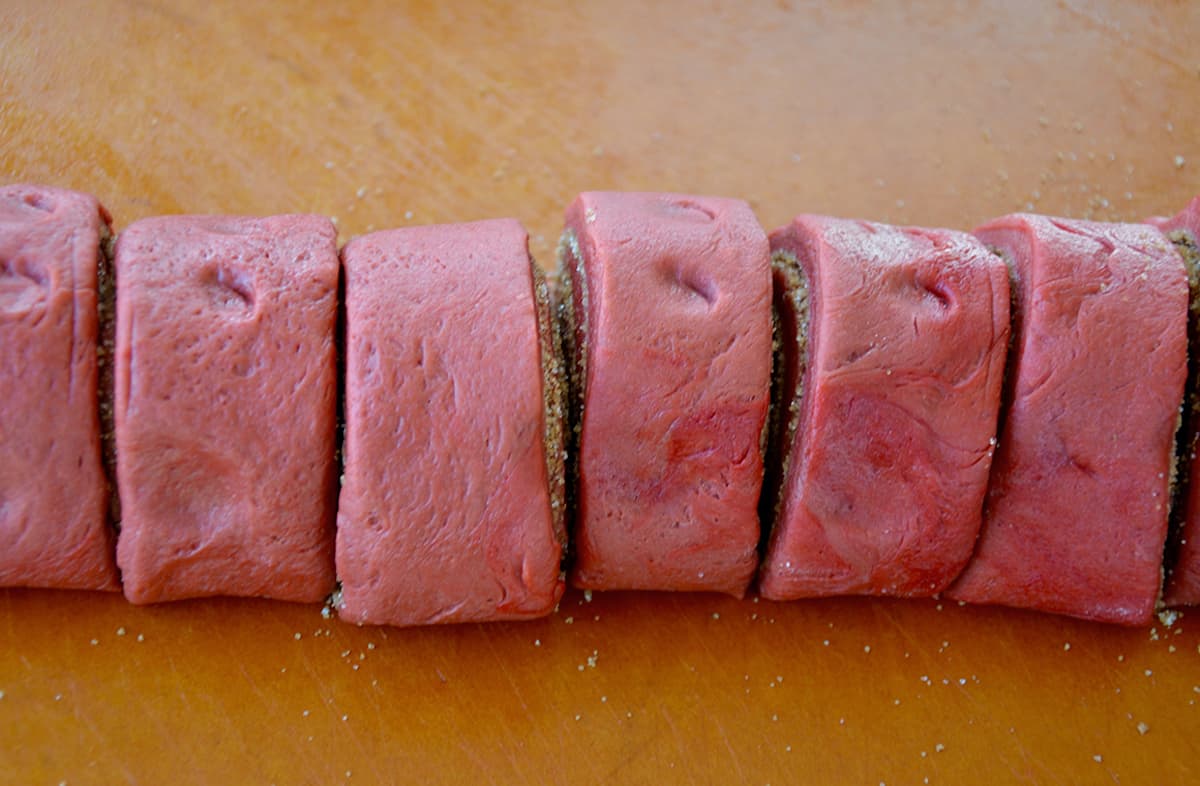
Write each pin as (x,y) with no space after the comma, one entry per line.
(360,193)
(121,631)
(1168,617)
(569,621)
(1097,758)
(1149,672)
(1,694)
(1066,646)
(587,596)
(1143,727)
(603,699)
(1179,162)
(296,636)
(345,717)
(867,648)
(537,642)
(408,214)
(716,615)
(939,747)
(370,645)
(140,637)
(95,642)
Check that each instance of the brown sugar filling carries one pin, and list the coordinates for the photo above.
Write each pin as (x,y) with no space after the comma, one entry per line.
(1189,414)
(554,395)
(106,312)
(789,348)
(573,330)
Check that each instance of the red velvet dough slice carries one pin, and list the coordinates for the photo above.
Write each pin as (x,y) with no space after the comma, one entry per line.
(894,399)
(54,529)
(668,307)
(447,512)
(1076,514)
(226,407)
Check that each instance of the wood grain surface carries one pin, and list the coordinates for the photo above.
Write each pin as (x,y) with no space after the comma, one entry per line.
(389,114)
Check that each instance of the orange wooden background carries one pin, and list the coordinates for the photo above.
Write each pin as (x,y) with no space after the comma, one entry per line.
(390,114)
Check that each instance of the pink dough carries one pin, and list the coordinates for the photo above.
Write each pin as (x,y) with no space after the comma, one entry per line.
(225,407)
(445,509)
(53,493)
(907,337)
(1076,512)
(1183,573)
(677,317)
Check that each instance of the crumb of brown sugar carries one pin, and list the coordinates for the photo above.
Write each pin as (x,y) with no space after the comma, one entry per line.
(1168,617)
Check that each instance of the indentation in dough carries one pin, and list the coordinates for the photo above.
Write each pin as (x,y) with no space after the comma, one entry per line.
(690,209)
(935,291)
(39,201)
(22,286)
(229,289)
(691,279)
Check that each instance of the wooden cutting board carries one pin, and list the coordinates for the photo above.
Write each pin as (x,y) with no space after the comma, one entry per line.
(388,115)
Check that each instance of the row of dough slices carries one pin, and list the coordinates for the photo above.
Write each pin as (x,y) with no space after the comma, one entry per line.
(216,405)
